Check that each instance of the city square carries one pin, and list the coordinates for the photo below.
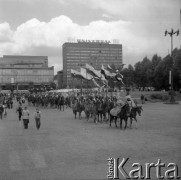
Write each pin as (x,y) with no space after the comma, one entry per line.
(68,148)
(90,89)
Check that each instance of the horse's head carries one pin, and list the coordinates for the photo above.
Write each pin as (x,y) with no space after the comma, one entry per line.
(139,109)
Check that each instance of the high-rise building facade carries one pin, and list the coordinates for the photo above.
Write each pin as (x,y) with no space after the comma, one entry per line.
(25,70)
(95,53)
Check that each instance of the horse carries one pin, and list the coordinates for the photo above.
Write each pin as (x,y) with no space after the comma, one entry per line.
(61,103)
(99,106)
(87,109)
(78,107)
(134,111)
(122,113)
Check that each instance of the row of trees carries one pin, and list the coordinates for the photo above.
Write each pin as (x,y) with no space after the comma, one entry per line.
(154,72)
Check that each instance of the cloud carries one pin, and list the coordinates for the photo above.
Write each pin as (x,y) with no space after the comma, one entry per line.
(5,33)
(36,37)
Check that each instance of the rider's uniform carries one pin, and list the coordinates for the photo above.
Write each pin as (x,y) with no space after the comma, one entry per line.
(130,102)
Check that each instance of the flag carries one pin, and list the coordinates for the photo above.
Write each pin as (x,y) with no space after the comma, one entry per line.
(109,68)
(76,74)
(95,83)
(92,71)
(107,73)
(84,74)
(119,77)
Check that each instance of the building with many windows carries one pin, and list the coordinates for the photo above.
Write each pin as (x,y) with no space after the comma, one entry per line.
(95,53)
(23,71)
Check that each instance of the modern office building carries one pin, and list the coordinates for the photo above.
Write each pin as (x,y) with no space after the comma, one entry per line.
(95,53)
(23,71)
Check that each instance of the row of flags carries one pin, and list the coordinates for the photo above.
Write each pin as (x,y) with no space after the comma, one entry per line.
(98,77)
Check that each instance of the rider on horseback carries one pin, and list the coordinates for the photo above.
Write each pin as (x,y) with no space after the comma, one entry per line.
(130,102)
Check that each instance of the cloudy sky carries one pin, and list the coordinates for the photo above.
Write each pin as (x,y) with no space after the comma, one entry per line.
(40,27)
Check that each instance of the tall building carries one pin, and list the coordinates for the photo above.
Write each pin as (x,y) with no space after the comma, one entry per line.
(25,70)
(96,53)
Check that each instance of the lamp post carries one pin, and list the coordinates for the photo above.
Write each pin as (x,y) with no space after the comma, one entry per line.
(80,64)
(171,33)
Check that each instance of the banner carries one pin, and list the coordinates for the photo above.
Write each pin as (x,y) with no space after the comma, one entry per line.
(107,73)
(92,71)
(86,75)
(76,74)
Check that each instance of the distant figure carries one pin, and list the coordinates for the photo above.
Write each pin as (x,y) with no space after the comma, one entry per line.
(37,116)
(25,116)
(1,111)
(19,110)
(142,99)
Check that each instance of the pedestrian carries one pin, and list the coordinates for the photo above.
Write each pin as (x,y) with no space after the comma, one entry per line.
(1,111)
(37,116)
(11,103)
(19,110)
(5,109)
(142,99)
(25,116)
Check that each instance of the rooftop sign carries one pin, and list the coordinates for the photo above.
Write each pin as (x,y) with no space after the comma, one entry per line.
(93,41)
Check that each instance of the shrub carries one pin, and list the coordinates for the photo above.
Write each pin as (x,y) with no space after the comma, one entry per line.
(163,97)
(156,96)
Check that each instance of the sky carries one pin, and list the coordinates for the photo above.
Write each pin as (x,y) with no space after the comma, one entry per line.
(40,27)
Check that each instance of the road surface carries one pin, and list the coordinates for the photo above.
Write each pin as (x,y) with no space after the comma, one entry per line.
(68,148)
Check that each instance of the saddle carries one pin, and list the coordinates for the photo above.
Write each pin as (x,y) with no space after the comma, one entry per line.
(115,111)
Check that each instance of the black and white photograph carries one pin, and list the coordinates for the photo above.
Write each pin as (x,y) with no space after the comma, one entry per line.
(90,89)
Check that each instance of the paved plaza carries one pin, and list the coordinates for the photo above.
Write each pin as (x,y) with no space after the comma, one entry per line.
(68,148)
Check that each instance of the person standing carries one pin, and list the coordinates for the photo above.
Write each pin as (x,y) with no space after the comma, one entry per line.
(1,111)
(37,116)
(25,116)
(19,110)
(142,99)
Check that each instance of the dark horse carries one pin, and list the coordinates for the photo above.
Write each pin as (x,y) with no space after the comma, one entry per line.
(134,111)
(123,115)
(78,107)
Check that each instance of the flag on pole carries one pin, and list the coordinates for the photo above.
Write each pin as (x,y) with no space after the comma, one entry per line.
(76,74)
(119,77)
(86,75)
(109,68)
(95,83)
(107,73)
(92,71)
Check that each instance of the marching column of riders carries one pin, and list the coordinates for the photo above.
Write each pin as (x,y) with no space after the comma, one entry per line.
(97,107)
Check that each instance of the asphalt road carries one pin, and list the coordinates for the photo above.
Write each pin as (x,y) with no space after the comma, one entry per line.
(68,148)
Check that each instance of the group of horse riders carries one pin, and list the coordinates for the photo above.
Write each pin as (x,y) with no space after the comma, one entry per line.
(100,108)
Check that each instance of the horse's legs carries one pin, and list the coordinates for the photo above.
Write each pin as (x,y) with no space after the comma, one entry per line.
(79,114)
(121,123)
(98,116)
(75,114)
(136,122)
(131,120)
(95,118)
(110,119)
(126,120)
(100,113)
(115,121)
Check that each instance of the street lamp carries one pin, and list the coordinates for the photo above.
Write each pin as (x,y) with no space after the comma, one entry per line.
(80,64)
(171,33)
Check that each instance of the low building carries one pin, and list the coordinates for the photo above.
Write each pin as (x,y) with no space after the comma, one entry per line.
(21,72)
